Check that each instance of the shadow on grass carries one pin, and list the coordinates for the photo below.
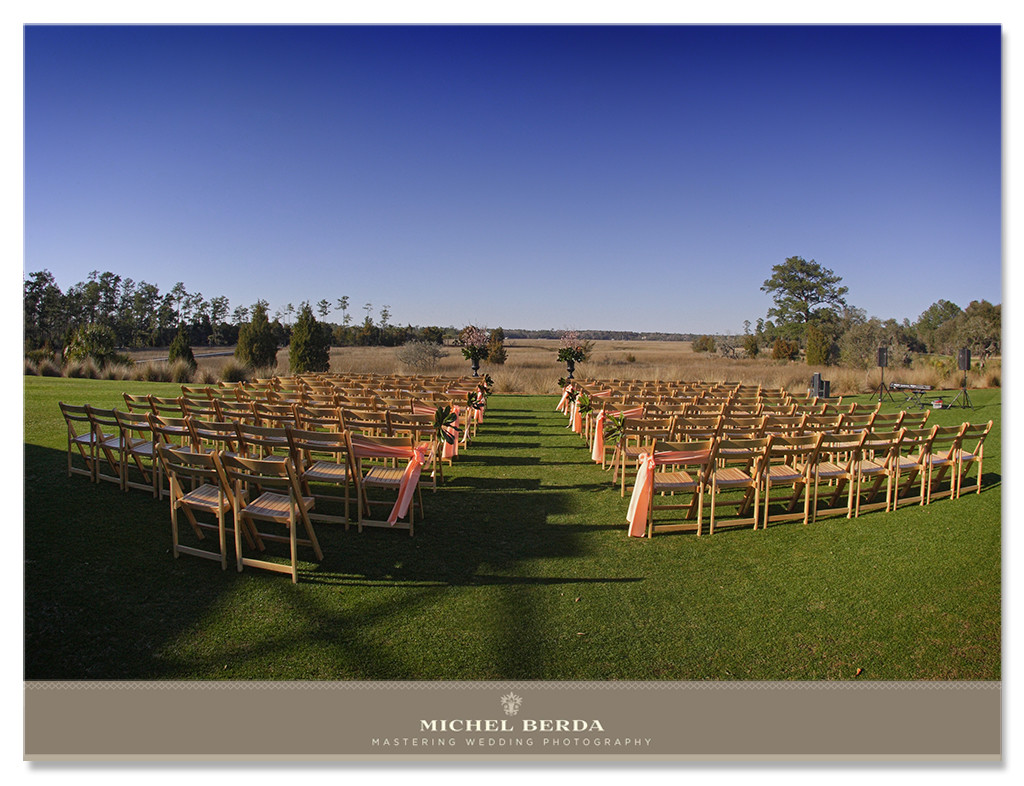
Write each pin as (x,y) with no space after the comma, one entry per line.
(104,598)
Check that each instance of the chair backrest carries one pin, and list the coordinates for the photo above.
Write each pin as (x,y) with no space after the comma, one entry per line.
(103,422)
(800,449)
(274,415)
(747,454)
(318,418)
(698,453)
(881,445)
(823,423)
(235,412)
(891,421)
(137,403)
(945,441)
(307,446)
(362,421)
(915,442)
(198,393)
(134,426)
(841,448)
(240,473)
(183,462)
(784,424)
(261,441)
(172,431)
(735,427)
(855,421)
(419,427)
(690,428)
(171,407)
(972,438)
(362,444)
(199,407)
(77,419)
(212,434)
(916,420)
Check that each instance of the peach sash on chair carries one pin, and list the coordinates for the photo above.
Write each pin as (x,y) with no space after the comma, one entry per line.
(563,402)
(410,478)
(448,451)
(577,418)
(640,501)
(597,452)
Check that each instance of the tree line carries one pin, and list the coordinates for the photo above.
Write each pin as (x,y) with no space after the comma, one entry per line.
(117,311)
(811,317)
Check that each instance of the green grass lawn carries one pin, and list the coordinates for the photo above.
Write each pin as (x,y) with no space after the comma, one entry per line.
(522,569)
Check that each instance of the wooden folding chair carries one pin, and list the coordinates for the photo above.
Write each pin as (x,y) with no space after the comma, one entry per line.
(638,436)
(836,465)
(324,459)
(106,445)
(876,463)
(911,459)
(420,429)
(199,473)
(80,440)
(391,475)
(738,465)
(790,461)
(971,452)
(682,471)
(137,449)
(173,432)
(268,491)
(942,461)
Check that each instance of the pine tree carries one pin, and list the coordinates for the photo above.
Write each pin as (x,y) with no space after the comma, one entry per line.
(817,346)
(180,348)
(309,350)
(256,344)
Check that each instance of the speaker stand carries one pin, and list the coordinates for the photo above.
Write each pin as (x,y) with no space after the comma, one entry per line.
(962,394)
(882,389)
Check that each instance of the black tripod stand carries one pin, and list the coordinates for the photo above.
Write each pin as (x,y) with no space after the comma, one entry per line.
(882,389)
(962,394)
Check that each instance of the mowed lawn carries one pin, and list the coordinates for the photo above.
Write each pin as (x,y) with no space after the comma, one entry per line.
(522,569)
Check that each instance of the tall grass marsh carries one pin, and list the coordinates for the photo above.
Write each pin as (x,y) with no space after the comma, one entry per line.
(532,367)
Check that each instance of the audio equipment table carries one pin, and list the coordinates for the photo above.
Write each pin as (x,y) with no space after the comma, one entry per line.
(913,393)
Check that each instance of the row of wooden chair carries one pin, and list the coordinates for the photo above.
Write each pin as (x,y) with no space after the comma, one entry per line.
(637,433)
(339,467)
(829,472)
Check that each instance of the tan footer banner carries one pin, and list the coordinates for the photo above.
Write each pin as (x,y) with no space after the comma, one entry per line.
(437,721)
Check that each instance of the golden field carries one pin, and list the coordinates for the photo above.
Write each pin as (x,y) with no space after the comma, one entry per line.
(532,367)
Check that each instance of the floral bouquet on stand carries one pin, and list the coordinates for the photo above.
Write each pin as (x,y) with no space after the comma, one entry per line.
(573,350)
(474,345)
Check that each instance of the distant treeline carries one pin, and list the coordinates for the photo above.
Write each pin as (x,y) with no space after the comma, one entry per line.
(602,335)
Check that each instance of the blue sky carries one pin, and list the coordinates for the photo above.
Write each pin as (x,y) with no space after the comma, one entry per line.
(625,178)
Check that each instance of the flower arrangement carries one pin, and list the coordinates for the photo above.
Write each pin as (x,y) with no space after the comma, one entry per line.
(573,348)
(474,343)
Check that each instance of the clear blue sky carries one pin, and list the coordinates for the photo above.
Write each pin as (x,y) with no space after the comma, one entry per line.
(624,178)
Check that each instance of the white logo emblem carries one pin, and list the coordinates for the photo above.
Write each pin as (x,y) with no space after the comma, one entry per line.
(511,703)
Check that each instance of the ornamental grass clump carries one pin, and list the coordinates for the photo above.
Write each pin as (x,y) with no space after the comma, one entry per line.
(235,371)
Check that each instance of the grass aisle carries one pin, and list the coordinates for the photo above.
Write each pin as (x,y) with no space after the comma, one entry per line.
(521,570)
